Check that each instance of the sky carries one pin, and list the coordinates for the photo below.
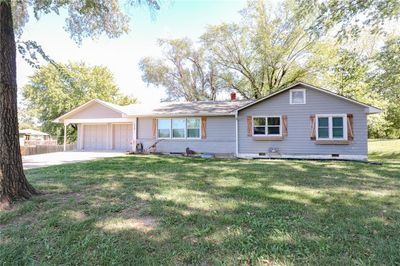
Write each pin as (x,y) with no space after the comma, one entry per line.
(179,18)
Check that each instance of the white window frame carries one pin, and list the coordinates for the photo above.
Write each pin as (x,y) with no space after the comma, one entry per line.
(199,137)
(170,127)
(266,126)
(330,126)
(295,90)
(184,129)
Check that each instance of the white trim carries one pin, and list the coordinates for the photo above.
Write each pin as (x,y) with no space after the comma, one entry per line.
(330,126)
(371,109)
(201,122)
(169,115)
(236,134)
(297,90)
(170,127)
(134,135)
(99,120)
(186,128)
(303,156)
(266,125)
(65,136)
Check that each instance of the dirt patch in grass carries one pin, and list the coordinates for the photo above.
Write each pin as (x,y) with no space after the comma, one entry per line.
(143,224)
(76,215)
(130,219)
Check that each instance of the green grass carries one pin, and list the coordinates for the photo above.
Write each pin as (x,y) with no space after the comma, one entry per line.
(165,210)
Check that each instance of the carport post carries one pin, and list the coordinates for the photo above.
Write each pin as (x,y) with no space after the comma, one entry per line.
(65,136)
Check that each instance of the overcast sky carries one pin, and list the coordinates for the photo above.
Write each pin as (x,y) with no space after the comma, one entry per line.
(179,18)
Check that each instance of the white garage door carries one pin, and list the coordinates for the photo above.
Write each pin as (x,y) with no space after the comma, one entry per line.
(122,137)
(95,137)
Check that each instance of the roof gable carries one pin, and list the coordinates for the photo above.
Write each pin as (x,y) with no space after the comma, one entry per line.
(93,109)
(371,109)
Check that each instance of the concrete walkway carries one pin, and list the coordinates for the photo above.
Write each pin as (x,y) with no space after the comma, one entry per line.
(57,158)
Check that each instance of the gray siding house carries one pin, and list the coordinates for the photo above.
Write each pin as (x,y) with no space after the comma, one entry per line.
(301,121)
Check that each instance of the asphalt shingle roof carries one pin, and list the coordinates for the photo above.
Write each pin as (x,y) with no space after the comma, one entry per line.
(184,108)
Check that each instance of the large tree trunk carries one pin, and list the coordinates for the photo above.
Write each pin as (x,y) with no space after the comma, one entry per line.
(13,183)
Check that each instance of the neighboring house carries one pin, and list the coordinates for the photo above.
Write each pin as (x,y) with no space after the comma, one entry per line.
(32,137)
(301,121)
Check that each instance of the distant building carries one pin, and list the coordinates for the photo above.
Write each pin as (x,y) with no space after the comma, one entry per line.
(31,137)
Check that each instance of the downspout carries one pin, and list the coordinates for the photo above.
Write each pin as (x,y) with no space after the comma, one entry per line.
(237,134)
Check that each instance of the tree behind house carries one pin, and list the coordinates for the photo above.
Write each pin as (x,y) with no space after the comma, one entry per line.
(183,70)
(105,17)
(55,90)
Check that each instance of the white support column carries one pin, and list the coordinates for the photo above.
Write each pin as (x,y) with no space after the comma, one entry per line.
(108,146)
(80,136)
(111,137)
(65,136)
(134,134)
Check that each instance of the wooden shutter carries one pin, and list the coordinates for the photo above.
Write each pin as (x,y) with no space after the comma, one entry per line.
(284,125)
(312,129)
(154,128)
(350,133)
(203,127)
(249,126)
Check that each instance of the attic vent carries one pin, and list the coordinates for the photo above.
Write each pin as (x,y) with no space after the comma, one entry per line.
(335,155)
(262,154)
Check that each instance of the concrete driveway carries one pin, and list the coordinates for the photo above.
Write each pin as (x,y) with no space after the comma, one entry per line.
(57,158)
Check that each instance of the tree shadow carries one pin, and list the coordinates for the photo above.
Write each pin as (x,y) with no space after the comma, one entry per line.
(207,212)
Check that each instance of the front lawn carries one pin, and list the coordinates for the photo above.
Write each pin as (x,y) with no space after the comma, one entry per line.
(166,210)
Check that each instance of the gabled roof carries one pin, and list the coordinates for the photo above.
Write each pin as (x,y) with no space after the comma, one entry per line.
(371,109)
(200,108)
(113,107)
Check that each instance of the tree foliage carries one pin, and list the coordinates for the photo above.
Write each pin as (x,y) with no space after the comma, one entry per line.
(184,71)
(301,40)
(55,90)
(266,52)
(88,18)
(349,18)
(385,80)
(259,55)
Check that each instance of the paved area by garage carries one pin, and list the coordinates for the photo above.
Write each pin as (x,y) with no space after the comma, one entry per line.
(57,158)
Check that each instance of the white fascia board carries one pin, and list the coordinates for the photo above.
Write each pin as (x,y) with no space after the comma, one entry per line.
(77,109)
(99,120)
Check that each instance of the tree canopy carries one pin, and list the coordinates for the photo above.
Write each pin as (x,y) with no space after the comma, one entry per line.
(55,90)
(184,71)
(89,18)
(349,18)
(256,56)
(336,44)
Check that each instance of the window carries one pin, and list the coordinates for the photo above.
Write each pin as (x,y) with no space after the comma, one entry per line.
(164,128)
(331,127)
(298,96)
(178,128)
(259,124)
(267,126)
(193,128)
